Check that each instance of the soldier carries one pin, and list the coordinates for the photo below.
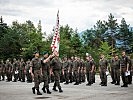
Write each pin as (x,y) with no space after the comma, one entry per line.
(36,72)
(124,65)
(80,70)
(56,64)
(15,70)
(0,70)
(28,73)
(76,71)
(130,71)
(71,70)
(8,70)
(103,66)
(112,70)
(46,71)
(22,70)
(3,69)
(94,69)
(89,65)
(66,70)
(116,66)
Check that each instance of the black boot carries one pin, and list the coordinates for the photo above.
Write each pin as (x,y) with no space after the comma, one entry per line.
(60,90)
(43,89)
(54,88)
(33,90)
(48,92)
(38,92)
(118,83)
(66,82)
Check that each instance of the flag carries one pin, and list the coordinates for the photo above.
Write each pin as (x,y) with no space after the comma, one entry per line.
(56,38)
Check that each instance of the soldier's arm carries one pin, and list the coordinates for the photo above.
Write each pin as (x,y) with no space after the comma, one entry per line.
(93,66)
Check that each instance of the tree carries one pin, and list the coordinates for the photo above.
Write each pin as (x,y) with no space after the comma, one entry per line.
(105,49)
(124,36)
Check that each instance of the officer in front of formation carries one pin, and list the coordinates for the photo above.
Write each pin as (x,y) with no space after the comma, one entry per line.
(103,66)
(36,72)
(56,64)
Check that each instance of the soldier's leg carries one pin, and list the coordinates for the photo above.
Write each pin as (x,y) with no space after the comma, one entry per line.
(124,77)
(70,77)
(57,79)
(118,77)
(66,77)
(0,75)
(101,77)
(3,76)
(23,76)
(87,76)
(112,75)
(76,77)
(83,78)
(93,77)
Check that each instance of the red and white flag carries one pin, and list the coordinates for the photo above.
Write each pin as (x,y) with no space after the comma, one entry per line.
(56,38)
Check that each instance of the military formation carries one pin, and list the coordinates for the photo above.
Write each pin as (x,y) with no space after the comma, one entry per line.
(50,68)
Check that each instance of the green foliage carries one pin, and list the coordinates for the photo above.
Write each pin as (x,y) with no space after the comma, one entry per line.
(105,49)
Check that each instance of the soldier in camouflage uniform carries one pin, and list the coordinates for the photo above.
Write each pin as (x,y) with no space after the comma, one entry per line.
(103,66)
(71,77)
(36,72)
(56,64)
(112,70)
(124,65)
(89,65)
(8,70)
(28,73)
(15,70)
(45,61)
(22,70)
(116,66)
(0,70)
(80,70)
(3,70)
(76,71)
(130,70)
(66,70)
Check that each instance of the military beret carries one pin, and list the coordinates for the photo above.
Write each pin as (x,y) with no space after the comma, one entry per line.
(45,52)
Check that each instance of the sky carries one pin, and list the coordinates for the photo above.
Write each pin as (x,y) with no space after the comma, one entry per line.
(78,14)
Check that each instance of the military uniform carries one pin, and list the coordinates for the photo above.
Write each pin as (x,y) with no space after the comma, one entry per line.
(88,65)
(71,77)
(130,70)
(116,66)
(0,70)
(28,73)
(82,71)
(3,69)
(123,64)
(15,70)
(22,71)
(103,68)
(9,71)
(66,69)
(76,71)
(46,73)
(112,71)
(56,67)
(36,70)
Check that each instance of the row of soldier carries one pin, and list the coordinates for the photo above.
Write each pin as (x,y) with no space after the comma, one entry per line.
(70,70)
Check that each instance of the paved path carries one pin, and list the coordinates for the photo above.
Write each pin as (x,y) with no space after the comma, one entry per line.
(22,91)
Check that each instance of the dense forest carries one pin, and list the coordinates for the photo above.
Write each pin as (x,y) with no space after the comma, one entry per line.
(107,37)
